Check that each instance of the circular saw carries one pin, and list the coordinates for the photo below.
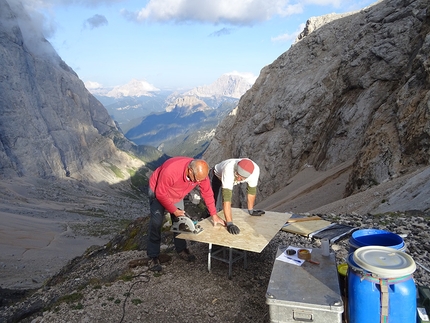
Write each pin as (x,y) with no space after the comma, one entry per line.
(184,224)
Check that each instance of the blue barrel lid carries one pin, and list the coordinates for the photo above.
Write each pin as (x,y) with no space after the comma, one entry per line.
(384,262)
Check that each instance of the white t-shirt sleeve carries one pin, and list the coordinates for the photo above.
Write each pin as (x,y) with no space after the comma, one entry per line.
(227,177)
(227,171)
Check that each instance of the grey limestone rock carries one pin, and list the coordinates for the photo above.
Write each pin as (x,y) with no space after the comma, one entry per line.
(49,122)
(354,87)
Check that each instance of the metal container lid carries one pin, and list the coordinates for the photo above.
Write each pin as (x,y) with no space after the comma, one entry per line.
(384,262)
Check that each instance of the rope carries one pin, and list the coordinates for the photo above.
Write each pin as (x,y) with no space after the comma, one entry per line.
(428,270)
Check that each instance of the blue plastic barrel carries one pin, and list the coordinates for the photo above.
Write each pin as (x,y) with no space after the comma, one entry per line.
(380,286)
(375,237)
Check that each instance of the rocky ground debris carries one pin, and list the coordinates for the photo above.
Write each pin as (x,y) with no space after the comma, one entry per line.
(102,286)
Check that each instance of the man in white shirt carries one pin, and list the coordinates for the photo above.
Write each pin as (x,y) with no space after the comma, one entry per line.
(224,176)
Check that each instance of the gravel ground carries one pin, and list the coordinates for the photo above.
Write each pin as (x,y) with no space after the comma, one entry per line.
(119,288)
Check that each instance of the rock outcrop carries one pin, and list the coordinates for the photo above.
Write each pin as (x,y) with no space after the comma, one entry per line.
(354,87)
(50,124)
(228,85)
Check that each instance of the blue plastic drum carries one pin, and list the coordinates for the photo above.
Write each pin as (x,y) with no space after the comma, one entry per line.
(375,237)
(380,286)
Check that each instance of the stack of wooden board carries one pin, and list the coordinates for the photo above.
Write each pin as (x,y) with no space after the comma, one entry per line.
(316,227)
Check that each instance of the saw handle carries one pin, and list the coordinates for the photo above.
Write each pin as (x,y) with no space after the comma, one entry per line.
(180,213)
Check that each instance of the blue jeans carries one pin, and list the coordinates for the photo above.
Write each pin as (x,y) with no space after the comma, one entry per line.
(155,223)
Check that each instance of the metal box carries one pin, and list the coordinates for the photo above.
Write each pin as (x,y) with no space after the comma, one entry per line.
(423,304)
(306,293)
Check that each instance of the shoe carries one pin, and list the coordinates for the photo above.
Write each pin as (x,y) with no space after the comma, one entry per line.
(154,264)
(186,255)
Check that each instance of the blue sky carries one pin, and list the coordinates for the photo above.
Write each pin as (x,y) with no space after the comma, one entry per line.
(174,44)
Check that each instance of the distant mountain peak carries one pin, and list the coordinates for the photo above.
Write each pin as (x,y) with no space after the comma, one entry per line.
(232,85)
(187,104)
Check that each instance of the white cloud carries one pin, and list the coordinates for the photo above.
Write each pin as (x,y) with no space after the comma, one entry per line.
(334,3)
(290,10)
(289,37)
(237,12)
(90,85)
(32,28)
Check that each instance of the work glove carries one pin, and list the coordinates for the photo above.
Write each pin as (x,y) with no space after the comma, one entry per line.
(233,229)
(256,212)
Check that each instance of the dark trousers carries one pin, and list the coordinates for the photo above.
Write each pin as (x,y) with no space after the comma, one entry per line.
(155,224)
(216,185)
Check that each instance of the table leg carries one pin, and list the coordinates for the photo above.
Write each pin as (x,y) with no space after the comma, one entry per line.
(230,262)
(245,261)
(209,257)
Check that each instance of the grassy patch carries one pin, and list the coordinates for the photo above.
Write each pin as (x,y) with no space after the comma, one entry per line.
(78,306)
(128,276)
(136,301)
(118,173)
(69,299)
(139,180)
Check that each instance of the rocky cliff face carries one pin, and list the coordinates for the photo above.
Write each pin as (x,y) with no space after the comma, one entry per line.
(352,88)
(49,122)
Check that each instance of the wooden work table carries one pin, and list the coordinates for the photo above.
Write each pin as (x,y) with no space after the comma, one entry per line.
(255,234)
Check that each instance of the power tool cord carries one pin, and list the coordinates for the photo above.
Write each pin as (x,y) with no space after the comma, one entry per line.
(145,280)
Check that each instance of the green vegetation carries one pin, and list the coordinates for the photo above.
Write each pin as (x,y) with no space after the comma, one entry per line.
(138,179)
(117,171)
(136,301)
(78,306)
(69,299)
(128,276)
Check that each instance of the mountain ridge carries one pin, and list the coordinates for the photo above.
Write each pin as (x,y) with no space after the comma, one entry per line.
(354,87)
(340,118)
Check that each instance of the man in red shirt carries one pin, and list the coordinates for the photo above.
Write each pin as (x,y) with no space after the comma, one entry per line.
(168,186)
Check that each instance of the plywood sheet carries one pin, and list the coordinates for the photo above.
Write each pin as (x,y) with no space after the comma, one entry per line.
(255,231)
(306,227)
(302,219)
